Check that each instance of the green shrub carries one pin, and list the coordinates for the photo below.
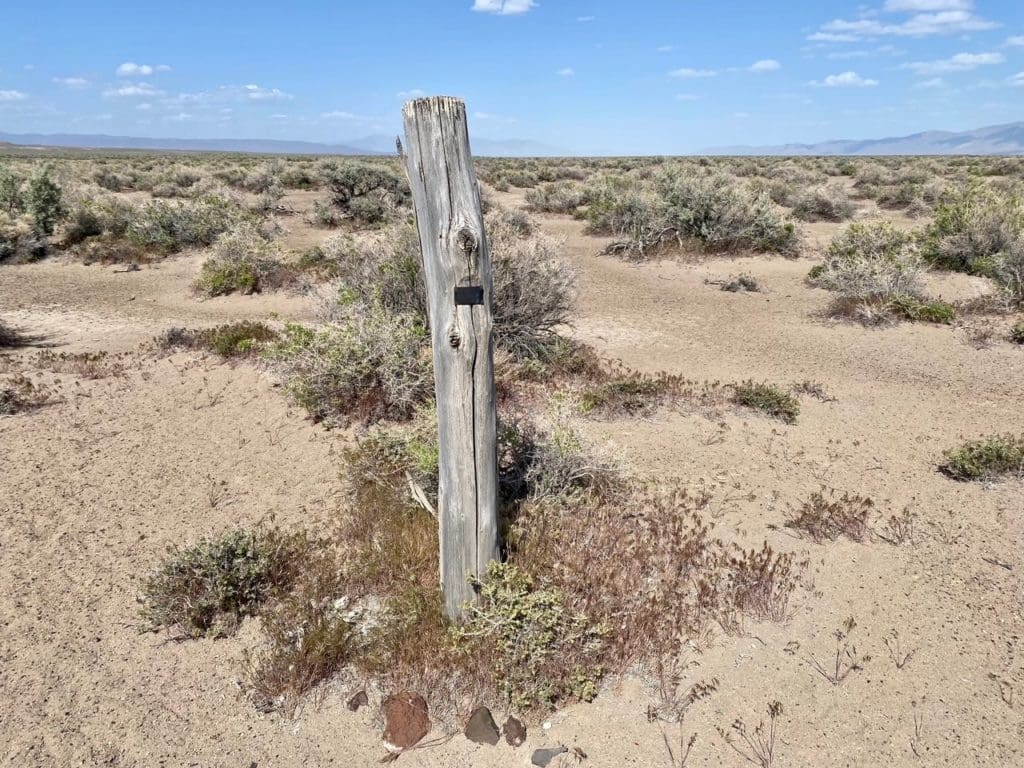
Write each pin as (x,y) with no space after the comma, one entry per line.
(169,227)
(986,459)
(44,201)
(243,261)
(369,364)
(768,399)
(972,228)
(19,241)
(365,192)
(561,197)
(530,632)
(12,200)
(918,310)
(208,588)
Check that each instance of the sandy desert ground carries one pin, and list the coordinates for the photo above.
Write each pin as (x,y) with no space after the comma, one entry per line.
(96,486)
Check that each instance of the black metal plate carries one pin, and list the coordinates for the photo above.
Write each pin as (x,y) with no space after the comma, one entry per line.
(468,295)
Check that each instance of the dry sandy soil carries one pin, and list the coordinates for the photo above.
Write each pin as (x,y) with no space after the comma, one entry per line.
(95,487)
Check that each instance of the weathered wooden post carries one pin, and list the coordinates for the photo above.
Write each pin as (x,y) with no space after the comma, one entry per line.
(457,268)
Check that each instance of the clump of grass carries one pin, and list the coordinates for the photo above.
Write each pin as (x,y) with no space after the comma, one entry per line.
(986,459)
(530,633)
(740,283)
(205,590)
(767,398)
(620,390)
(826,518)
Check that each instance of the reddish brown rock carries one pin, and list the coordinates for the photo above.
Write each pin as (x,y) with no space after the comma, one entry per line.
(406,720)
(515,731)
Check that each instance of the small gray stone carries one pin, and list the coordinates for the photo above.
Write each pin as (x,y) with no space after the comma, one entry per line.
(515,731)
(481,727)
(357,701)
(541,757)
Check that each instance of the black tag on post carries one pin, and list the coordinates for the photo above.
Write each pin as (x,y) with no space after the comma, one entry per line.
(468,295)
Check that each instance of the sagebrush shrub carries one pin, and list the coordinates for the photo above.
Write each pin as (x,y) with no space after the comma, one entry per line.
(872,261)
(369,364)
(243,260)
(44,201)
(823,204)
(208,588)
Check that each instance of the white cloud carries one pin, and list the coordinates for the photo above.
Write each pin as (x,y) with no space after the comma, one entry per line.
(585,19)
(935,82)
(917,6)
(133,89)
(765,65)
(927,18)
(665,48)
(961,62)
(72,82)
(503,7)
(1017,80)
(1018,40)
(688,73)
(144,106)
(256,93)
(131,69)
(181,117)
(415,93)
(12,96)
(566,72)
(845,80)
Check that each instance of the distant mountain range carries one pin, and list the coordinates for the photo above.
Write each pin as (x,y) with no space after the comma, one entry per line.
(371,145)
(994,140)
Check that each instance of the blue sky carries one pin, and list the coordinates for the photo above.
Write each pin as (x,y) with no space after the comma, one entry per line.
(585,76)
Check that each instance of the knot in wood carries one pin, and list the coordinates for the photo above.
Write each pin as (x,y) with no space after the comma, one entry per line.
(467,241)
(454,338)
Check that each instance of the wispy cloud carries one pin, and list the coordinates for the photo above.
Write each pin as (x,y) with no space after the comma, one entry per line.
(133,89)
(927,18)
(665,48)
(1016,41)
(935,82)
(131,69)
(13,96)
(585,19)
(566,72)
(765,65)
(256,93)
(1016,80)
(414,93)
(503,7)
(688,73)
(72,82)
(845,80)
(961,62)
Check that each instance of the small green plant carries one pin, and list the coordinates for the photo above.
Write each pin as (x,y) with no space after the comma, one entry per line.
(243,261)
(208,588)
(530,631)
(986,459)
(230,340)
(768,399)
(922,310)
(826,518)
